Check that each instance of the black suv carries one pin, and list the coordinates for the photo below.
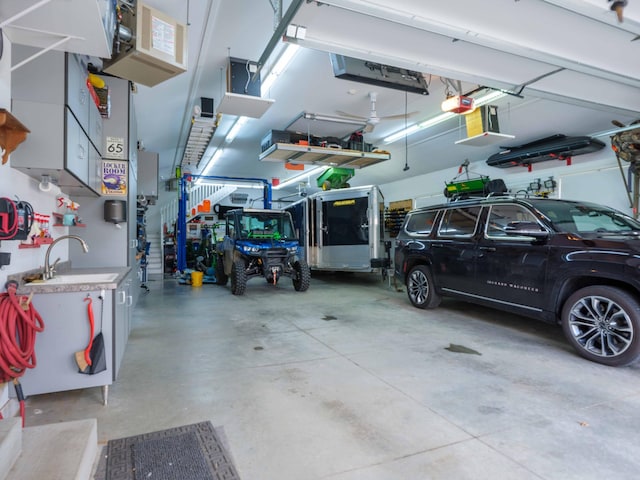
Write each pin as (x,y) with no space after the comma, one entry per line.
(567,262)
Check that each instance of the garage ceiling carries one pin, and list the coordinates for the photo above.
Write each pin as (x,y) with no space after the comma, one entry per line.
(572,63)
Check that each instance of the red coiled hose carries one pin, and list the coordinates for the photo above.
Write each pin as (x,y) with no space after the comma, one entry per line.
(19,323)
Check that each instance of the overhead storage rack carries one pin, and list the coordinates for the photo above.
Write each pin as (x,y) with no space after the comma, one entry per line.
(331,157)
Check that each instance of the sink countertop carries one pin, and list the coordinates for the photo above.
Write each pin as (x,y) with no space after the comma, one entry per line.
(25,289)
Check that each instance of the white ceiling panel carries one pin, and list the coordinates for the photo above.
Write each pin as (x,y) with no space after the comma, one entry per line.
(575,66)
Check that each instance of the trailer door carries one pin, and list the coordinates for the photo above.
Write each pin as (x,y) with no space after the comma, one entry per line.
(345,234)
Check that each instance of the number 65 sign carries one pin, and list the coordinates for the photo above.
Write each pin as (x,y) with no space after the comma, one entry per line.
(115,148)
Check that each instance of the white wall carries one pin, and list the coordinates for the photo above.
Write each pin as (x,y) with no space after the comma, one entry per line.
(593,177)
(15,184)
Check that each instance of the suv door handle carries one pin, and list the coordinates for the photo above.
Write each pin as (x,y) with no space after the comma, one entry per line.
(488,249)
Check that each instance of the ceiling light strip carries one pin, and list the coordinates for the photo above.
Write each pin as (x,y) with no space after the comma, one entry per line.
(214,158)
(443,117)
(289,51)
(298,178)
(235,129)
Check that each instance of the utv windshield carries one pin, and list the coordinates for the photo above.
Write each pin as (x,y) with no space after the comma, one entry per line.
(273,226)
(588,218)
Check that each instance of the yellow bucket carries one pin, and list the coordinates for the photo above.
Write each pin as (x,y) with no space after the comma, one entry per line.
(196,279)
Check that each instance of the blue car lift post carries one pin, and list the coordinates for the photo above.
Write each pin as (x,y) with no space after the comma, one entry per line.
(181,223)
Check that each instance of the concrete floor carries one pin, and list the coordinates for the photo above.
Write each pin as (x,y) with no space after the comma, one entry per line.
(349,381)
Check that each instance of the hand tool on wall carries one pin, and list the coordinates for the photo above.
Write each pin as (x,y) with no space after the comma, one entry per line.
(94,356)
(83,357)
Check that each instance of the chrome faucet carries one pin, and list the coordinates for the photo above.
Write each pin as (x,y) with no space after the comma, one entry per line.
(50,270)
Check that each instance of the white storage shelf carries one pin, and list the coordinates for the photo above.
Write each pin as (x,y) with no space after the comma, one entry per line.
(331,157)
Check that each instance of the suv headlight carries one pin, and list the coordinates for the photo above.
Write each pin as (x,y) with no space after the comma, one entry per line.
(292,250)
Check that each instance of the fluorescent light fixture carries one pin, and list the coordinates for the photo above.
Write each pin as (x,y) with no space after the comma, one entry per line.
(214,158)
(414,128)
(330,118)
(489,97)
(613,131)
(298,178)
(287,54)
(249,184)
(235,129)
(443,117)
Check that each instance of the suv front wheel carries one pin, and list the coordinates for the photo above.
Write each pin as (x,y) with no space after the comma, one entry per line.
(421,289)
(603,324)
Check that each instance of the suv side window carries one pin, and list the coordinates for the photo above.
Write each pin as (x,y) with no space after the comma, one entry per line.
(421,222)
(459,222)
(503,216)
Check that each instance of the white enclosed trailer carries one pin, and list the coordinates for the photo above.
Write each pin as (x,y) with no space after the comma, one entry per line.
(342,229)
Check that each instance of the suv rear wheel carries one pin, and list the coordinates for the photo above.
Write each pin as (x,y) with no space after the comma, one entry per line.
(420,288)
(238,277)
(603,324)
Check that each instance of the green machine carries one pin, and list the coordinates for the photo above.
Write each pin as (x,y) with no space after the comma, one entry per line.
(469,186)
(459,186)
(335,177)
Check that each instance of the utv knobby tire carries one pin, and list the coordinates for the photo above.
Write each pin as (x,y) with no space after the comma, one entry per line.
(302,278)
(221,277)
(238,277)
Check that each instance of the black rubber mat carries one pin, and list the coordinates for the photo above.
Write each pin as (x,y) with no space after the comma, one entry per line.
(189,452)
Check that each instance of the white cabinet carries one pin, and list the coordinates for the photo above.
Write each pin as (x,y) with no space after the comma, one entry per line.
(50,95)
(148,175)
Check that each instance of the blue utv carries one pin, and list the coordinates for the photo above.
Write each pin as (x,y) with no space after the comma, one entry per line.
(259,243)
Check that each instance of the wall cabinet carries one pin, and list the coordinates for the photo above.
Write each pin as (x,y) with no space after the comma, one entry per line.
(50,93)
(148,175)
(111,245)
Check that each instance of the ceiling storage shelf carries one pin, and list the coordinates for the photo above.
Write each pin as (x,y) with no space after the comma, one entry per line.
(48,25)
(331,157)
(484,139)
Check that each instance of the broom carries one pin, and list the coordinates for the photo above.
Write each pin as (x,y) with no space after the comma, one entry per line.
(83,357)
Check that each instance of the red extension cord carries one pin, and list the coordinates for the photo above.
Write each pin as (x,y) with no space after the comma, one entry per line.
(19,323)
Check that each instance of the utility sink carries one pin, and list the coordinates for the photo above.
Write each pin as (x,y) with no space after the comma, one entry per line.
(84,278)
(63,279)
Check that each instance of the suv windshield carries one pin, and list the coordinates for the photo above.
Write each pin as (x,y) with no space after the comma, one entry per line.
(276,226)
(583,218)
